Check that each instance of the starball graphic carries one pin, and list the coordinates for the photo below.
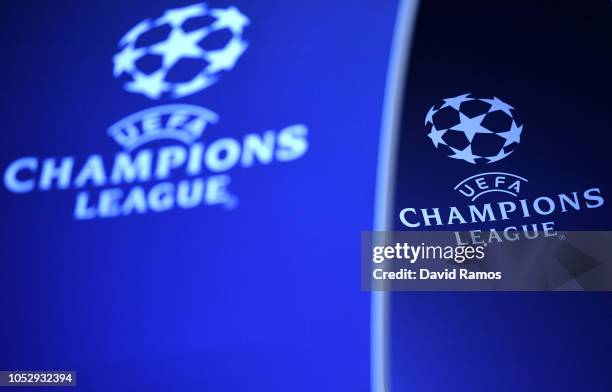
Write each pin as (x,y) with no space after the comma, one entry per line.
(480,132)
(475,130)
(169,157)
(153,52)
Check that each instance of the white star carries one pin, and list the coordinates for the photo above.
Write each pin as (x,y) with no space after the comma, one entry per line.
(230,18)
(436,136)
(470,126)
(500,155)
(465,154)
(456,101)
(497,104)
(513,135)
(179,44)
(429,116)
(226,58)
(150,85)
(124,60)
(177,16)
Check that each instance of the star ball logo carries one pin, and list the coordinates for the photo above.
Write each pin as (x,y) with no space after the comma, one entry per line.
(164,163)
(475,130)
(480,132)
(179,53)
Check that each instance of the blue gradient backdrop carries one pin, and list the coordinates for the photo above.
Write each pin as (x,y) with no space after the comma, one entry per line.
(264,297)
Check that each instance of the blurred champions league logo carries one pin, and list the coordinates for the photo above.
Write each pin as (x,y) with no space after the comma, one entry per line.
(164,159)
(178,46)
(475,130)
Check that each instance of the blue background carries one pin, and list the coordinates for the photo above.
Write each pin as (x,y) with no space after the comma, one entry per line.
(264,297)
(140,303)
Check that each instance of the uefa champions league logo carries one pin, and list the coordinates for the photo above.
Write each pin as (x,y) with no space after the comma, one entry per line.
(475,130)
(164,162)
(152,52)
(482,131)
